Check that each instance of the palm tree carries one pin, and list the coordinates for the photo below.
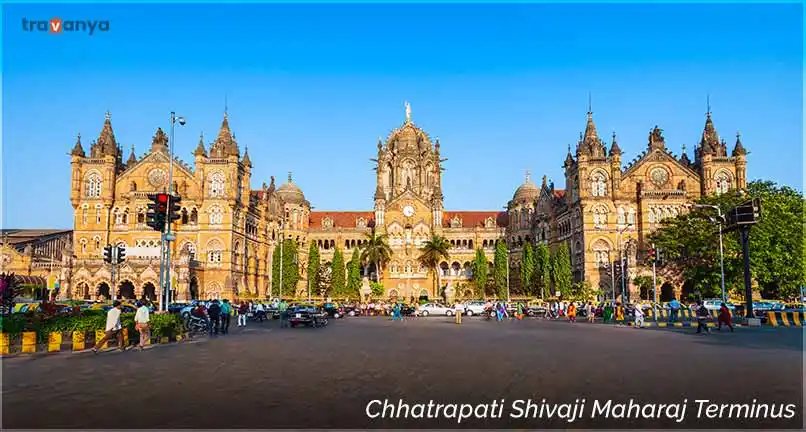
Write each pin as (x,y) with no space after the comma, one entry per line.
(434,251)
(377,251)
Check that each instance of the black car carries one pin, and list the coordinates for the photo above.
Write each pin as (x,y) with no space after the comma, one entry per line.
(309,316)
(407,310)
(333,310)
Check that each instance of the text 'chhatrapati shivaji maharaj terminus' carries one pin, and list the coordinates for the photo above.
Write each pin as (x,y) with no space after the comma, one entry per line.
(227,234)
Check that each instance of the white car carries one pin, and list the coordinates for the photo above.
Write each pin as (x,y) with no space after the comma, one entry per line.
(475,307)
(435,309)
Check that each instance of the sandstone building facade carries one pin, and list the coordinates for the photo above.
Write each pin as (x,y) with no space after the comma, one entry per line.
(227,234)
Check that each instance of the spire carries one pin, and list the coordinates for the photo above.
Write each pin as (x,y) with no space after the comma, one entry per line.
(528,179)
(614,148)
(290,180)
(684,156)
(224,144)
(738,149)
(246,161)
(436,146)
(710,138)
(379,195)
(78,149)
(545,182)
(408,112)
(160,141)
(132,159)
(200,150)
(105,145)
(569,159)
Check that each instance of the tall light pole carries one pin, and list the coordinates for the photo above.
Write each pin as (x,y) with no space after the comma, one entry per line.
(720,220)
(622,266)
(282,261)
(508,296)
(168,237)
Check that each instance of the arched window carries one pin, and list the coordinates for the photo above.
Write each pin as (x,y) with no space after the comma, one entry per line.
(237,253)
(84,212)
(217,184)
(118,216)
(93,185)
(722,180)
(631,217)
(83,246)
(97,243)
(216,216)
(190,248)
(214,252)
(601,253)
(622,219)
(598,184)
(184,216)
(194,216)
(600,217)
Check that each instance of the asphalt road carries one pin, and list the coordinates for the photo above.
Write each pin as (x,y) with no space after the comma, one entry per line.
(267,377)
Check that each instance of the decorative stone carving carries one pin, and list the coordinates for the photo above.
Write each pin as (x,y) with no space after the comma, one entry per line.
(327,223)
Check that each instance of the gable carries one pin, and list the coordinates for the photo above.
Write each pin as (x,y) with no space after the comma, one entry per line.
(654,158)
(150,174)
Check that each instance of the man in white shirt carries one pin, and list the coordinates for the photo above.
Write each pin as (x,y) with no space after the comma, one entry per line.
(142,322)
(113,328)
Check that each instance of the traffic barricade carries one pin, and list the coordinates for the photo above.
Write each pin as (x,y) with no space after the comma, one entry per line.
(785,319)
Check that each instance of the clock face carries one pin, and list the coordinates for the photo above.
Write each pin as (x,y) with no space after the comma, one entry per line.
(659,176)
(157,178)
(408,211)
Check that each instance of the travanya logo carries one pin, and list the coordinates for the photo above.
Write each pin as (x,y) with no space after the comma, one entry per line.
(58,26)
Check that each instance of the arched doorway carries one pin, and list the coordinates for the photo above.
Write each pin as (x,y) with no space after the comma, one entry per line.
(104,293)
(82,291)
(688,291)
(424,295)
(194,288)
(150,291)
(126,290)
(666,292)
(644,292)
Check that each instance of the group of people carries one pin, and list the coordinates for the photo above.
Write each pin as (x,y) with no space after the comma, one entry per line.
(114,330)
(218,315)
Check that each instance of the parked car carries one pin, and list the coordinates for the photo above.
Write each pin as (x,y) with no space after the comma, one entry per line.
(475,307)
(333,310)
(306,315)
(435,309)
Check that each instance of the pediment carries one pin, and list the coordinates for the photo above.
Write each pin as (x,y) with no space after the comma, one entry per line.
(657,156)
(154,162)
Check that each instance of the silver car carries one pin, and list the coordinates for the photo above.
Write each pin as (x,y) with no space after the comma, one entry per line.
(435,309)
(475,307)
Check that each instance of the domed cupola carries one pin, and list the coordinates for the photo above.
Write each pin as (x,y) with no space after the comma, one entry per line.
(527,192)
(290,193)
(408,137)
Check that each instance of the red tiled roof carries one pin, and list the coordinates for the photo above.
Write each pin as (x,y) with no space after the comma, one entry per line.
(472,219)
(559,193)
(341,219)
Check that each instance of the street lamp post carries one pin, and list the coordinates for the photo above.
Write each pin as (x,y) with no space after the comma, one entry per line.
(282,261)
(508,296)
(613,278)
(622,266)
(720,220)
(167,237)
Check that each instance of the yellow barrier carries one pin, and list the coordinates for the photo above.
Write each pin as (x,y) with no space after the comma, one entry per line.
(78,340)
(29,342)
(125,337)
(55,342)
(785,319)
(4,343)
(99,334)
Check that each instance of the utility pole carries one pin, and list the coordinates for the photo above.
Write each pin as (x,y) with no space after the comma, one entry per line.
(742,218)
(613,278)
(654,284)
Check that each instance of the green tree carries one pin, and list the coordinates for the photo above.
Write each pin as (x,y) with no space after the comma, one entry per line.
(500,264)
(644,284)
(527,268)
(376,250)
(542,268)
(313,268)
(290,273)
(433,252)
(353,289)
(377,289)
(561,269)
(689,243)
(338,277)
(324,277)
(481,271)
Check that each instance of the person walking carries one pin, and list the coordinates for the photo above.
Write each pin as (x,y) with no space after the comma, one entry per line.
(724,317)
(112,328)
(214,311)
(519,311)
(702,318)
(674,310)
(283,308)
(572,312)
(458,310)
(639,316)
(590,313)
(226,314)
(142,323)
(619,312)
(243,311)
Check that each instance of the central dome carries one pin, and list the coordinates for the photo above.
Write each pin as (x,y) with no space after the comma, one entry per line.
(291,193)
(408,136)
(528,191)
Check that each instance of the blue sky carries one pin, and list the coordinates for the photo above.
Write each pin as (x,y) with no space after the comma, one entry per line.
(310,88)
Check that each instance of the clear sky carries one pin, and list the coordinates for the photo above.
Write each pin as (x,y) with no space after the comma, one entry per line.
(310,88)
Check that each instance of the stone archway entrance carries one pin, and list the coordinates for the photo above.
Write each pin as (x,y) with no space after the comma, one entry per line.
(666,292)
(150,291)
(194,288)
(126,290)
(103,291)
(82,291)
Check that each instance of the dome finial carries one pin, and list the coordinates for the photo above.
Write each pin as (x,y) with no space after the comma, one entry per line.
(289,177)
(408,112)
(528,176)
(108,115)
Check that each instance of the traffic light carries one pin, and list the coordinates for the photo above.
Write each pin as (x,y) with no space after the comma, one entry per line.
(108,254)
(157,211)
(174,211)
(652,256)
(121,255)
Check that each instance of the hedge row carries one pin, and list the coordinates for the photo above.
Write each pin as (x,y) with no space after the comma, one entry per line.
(87,321)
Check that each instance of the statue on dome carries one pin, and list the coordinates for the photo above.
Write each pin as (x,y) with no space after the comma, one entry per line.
(408,112)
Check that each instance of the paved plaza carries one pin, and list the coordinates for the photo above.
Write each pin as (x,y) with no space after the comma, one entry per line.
(267,377)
